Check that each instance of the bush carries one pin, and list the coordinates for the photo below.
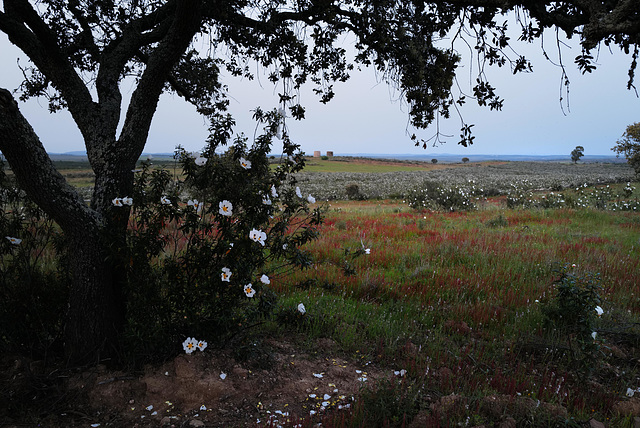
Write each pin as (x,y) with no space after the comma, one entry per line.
(353,192)
(33,282)
(431,195)
(574,309)
(200,250)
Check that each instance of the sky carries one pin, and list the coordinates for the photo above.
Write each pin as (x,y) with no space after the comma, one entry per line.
(366,117)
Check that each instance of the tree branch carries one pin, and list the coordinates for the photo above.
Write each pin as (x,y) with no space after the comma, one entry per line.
(35,171)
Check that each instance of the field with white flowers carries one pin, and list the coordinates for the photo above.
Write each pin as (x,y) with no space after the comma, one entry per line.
(495,294)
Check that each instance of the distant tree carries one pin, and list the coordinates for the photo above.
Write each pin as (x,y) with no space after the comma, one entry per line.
(434,161)
(79,52)
(577,153)
(629,146)
(465,160)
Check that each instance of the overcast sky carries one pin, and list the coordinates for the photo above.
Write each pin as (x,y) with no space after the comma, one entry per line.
(365,116)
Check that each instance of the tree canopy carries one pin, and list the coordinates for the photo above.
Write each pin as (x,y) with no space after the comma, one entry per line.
(81,50)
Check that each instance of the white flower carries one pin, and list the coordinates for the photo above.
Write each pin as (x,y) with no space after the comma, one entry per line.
(318,375)
(302,309)
(249,291)
(298,192)
(127,200)
(14,241)
(203,407)
(149,407)
(245,163)
(200,160)
(117,202)
(265,279)
(226,274)
(262,237)
(285,246)
(325,404)
(367,250)
(189,345)
(223,376)
(195,204)
(274,192)
(266,200)
(202,345)
(226,208)
(327,397)
(311,199)
(599,311)
(258,236)
(630,392)
(165,201)
(594,334)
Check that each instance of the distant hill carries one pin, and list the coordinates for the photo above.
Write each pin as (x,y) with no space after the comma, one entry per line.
(441,157)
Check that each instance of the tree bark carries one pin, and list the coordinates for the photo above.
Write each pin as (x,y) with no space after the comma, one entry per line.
(95,315)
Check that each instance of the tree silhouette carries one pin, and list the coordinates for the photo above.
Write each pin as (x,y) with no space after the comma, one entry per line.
(80,52)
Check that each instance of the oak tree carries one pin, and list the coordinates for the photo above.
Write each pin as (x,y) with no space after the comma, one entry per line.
(80,51)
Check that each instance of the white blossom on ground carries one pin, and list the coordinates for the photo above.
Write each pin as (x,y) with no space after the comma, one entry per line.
(189,345)
(302,309)
(630,392)
(599,311)
(117,202)
(202,345)
(127,200)
(265,279)
(165,201)
(14,241)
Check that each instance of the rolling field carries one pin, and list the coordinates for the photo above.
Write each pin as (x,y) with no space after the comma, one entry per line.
(458,300)
(523,311)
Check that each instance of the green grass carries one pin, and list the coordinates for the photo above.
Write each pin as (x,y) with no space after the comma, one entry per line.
(451,292)
(372,166)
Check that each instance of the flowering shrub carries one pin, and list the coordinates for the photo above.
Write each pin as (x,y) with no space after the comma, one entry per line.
(202,246)
(206,264)
(435,196)
(574,309)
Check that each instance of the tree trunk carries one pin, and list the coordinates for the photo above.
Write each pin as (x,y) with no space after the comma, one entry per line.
(95,315)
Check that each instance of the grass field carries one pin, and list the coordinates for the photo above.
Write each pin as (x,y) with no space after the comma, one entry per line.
(464,310)
(458,300)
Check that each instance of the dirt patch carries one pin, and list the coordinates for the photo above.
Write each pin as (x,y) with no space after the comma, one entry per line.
(213,389)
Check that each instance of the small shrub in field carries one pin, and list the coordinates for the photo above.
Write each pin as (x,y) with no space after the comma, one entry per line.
(353,192)
(390,403)
(499,221)
(573,310)
(432,195)
(520,195)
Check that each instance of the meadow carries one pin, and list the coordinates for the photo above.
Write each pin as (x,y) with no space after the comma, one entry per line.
(491,315)
(518,307)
